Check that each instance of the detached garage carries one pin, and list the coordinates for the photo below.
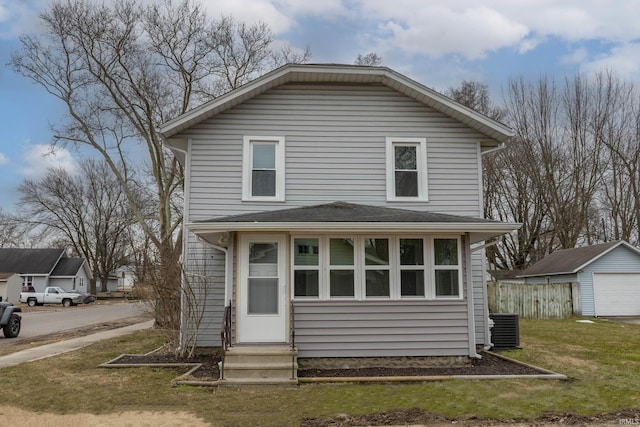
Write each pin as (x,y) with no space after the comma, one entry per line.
(608,277)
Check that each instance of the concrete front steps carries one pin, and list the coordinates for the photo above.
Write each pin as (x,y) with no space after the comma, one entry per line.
(260,364)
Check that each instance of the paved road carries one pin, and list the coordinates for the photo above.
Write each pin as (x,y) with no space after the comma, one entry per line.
(54,319)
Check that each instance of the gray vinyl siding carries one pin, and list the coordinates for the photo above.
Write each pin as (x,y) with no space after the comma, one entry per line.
(377,328)
(205,272)
(619,260)
(335,150)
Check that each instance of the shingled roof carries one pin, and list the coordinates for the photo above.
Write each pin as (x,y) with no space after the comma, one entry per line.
(29,261)
(67,267)
(342,216)
(569,261)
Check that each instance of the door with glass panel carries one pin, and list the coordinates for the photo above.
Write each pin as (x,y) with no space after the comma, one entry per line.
(262,292)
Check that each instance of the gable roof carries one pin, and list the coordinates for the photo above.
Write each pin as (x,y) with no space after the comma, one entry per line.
(570,261)
(341,216)
(496,132)
(67,267)
(29,261)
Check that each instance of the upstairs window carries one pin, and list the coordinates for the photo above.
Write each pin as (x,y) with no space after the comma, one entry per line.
(263,169)
(406,169)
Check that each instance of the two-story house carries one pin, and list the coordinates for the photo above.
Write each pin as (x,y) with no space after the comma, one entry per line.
(337,211)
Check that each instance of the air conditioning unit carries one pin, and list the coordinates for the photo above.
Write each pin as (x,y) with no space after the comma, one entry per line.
(505,333)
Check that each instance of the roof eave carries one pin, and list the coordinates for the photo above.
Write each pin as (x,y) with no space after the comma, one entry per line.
(478,232)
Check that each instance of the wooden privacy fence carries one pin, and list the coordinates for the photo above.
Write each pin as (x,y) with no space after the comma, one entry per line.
(529,301)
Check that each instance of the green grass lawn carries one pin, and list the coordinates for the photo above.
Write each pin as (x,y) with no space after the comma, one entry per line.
(602,361)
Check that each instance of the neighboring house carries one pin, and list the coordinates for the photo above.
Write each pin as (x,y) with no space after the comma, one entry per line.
(121,280)
(338,206)
(72,274)
(126,278)
(46,267)
(608,276)
(112,283)
(10,287)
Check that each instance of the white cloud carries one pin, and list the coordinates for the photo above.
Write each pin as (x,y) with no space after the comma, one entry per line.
(40,157)
(4,160)
(576,57)
(623,60)
(466,28)
(20,16)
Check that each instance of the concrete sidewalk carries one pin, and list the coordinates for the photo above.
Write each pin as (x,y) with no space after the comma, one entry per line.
(65,346)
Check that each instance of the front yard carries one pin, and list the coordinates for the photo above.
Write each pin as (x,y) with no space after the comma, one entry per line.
(601,359)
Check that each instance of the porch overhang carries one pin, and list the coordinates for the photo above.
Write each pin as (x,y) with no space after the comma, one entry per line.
(343,217)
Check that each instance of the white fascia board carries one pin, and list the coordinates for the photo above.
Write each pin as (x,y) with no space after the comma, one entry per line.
(479,232)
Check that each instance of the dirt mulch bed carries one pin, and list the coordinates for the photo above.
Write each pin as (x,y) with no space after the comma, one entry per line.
(420,417)
(489,364)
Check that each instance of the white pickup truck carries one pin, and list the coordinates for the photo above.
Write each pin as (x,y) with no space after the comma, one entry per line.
(51,295)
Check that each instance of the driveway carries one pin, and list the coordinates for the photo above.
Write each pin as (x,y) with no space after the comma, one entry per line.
(48,320)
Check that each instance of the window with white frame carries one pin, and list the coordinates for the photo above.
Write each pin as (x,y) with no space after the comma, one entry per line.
(263,167)
(406,169)
(446,267)
(370,267)
(341,268)
(306,267)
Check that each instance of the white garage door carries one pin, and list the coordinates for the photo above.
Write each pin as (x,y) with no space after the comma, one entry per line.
(617,294)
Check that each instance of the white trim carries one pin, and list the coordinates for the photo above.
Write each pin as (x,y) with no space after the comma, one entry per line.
(262,327)
(247,167)
(421,168)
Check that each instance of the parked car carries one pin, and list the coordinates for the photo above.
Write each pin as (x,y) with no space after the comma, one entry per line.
(88,297)
(10,321)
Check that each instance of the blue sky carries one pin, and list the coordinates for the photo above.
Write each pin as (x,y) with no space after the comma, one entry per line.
(436,42)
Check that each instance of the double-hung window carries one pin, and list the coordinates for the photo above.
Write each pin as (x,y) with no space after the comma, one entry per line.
(306,267)
(263,167)
(411,267)
(406,169)
(342,268)
(446,267)
(376,267)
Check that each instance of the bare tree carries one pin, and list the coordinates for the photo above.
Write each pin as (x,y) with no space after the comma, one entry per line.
(123,68)
(370,59)
(11,231)
(86,211)
(475,95)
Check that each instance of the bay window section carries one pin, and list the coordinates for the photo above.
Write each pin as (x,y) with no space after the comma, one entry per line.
(341,268)
(376,266)
(306,267)
(412,268)
(446,268)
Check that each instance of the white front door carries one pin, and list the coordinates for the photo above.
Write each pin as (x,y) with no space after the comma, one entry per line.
(262,291)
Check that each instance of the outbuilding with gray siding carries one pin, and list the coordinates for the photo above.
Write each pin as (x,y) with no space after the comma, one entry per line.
(607,274)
